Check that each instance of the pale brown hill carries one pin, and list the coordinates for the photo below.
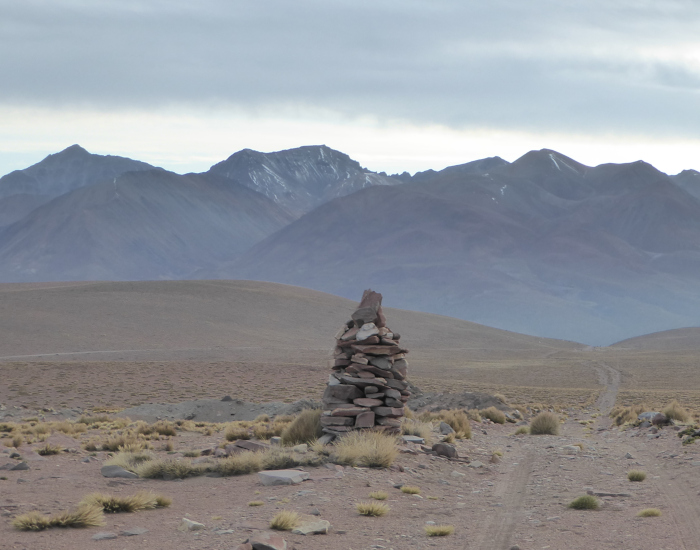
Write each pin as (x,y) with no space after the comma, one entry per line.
(225,319)
(668,340)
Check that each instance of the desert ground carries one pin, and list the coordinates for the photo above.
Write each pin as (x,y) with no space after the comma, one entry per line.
(77,350)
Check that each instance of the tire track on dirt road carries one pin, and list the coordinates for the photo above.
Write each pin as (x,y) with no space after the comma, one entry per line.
(496,534)
(610,378)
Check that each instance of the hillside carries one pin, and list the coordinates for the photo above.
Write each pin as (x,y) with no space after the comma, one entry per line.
(669,340)
(149,224)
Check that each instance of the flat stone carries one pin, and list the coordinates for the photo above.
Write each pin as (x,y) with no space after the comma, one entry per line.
(391,402)
(364,420)
(397,384)
(367,330)
(337,421)
(244,546)
(249,445)
(376,350)
(649,415)
(367,311)
(301,448)
(20,466)
(388,411)
(326,439)
(476,464)
(104,535)
(367,402)
(413,439)
(268,541)
(349,411)
(318,527)
(350,334)
(395,394)
(276,441)
(360,359)
(361,382)
(382,363)
(342,393)
(571,449)
(134,531)
(189,525)
(282,477)
(117,471)
(386,421)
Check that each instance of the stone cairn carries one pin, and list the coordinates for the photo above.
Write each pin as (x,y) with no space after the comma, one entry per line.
(368,388)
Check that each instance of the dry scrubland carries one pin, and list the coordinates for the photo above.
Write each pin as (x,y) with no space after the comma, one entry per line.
(124,344)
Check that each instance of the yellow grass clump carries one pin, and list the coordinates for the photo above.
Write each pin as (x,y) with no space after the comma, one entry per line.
(417,428)
(379,495)
(494,415)
(458,421)
(238,464)
(373,509)
(636,475)
(48,450)
(410,490)
(256,503)
(649,513)
(111,504)
(286,520)
(627,415)
(365,448)
(129,460)
(585,502)
(305,428)
(439,530)
(169,469)
(85,516)
(545,423)
(522,430)
(674,411)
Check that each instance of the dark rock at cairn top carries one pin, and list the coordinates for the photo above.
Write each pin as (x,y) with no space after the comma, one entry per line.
(367,389)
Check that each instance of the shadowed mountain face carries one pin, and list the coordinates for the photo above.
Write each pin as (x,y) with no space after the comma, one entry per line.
(542,246)
(142,225)
(62,172)
(299,179)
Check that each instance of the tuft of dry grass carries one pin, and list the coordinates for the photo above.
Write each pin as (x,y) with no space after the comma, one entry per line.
(627,415)
(674,411)
(522,430)
(129,460)
(256,503)
(649,513)
(585,502)
(85,516)
(494,415)
(238,464)
(127,441)
(379,495)
(545,423)
(305,428)
(143,500)
(439,530)
(636,475)
(418,428)
(49,450)
(374,509)
(449,438)
(236,430)
(410,490)
(458,421)
(365,448)
(286,520)
(169,469)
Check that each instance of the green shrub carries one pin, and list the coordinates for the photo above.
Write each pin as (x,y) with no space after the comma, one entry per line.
(636,475)
(585,502)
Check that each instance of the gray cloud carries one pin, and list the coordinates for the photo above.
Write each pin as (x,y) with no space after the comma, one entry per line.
(538,65)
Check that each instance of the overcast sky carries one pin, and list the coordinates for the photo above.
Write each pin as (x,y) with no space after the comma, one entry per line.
(396,84)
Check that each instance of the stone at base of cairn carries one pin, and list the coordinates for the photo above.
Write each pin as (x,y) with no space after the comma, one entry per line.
(367,389)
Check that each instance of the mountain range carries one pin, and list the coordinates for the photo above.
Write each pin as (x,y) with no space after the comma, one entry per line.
(544,245)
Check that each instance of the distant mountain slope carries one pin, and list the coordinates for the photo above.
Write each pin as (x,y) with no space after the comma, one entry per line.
(65,171)
(299,179)
(668,340)
(689,180)
(269,319)
(15,207)
(543,246)
(142,225)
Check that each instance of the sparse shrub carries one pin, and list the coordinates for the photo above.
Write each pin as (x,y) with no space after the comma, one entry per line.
(256,503)
(168,446)
(408,413)
(170,469)
(191,454)
(585,502)
(458,421)
(266,431)
(16,441)
(473,414)
(236,431)
(545,423)
(68,428)
(143,500)
(649,513)
(286,520)
(305,428)
(636,475)
(379,495)
(7,427)
(501,398)
(522,430)
(364,448)
(674,411)
(417,428)
(128,460)
(93,420)
(439,530)
(48,450)
(410,490)
(128,442)
(374,509)
(86,516)
(262,418)
(449,438)
(627,415)
(240,464)
(494,415)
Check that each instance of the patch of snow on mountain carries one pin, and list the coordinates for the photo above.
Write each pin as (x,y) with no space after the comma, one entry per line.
(551,156)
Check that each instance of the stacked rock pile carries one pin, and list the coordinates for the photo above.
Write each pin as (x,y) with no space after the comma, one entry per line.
(368,387)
